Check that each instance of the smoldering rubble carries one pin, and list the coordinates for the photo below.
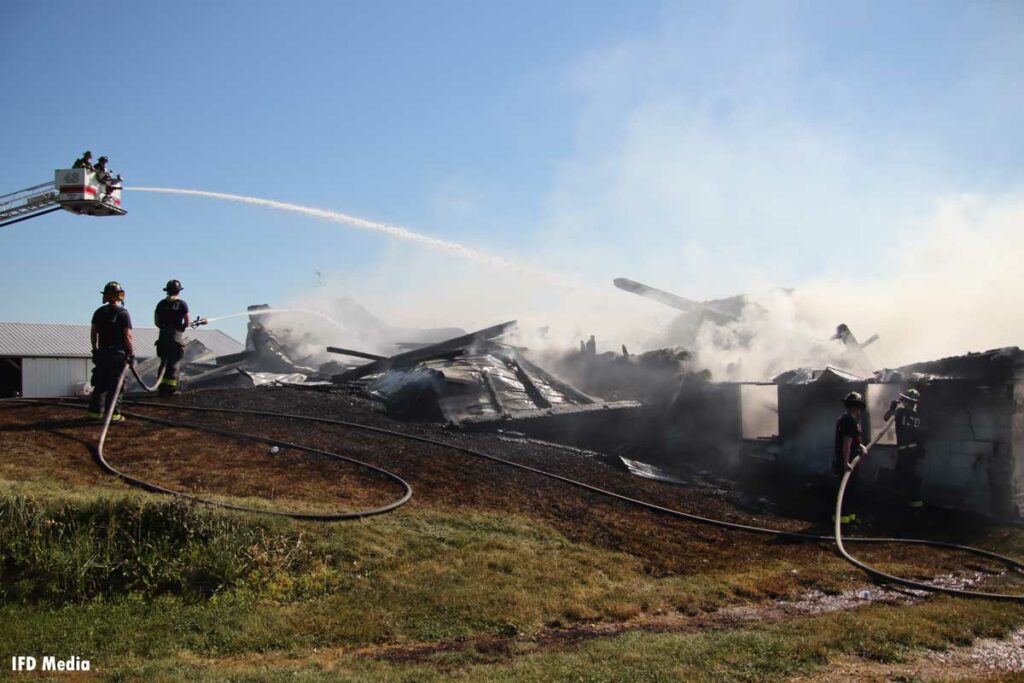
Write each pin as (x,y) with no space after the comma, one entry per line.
(659,413)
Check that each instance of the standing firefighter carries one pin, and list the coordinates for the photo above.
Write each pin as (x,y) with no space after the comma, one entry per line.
(909,447)
(849,445)
(84,161)
(112,350)
(171,317)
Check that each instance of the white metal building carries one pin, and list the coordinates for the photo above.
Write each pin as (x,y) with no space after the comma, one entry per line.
(38,359)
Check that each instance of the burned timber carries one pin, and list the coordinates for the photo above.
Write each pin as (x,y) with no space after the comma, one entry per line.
(657,414)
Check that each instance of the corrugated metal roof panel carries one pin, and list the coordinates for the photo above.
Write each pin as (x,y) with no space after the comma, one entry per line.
(72,341)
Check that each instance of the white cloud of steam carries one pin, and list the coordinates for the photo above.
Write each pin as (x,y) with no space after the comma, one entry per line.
(711,163)
(953,285)
(956,285)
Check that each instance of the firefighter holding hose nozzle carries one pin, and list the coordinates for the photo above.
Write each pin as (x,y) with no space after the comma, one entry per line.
(112,349)
(849,445)
(171,318)
(105,177)
(909,448)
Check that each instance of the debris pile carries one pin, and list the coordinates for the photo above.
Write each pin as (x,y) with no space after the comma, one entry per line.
(475,379)
(659,410)
(619,376)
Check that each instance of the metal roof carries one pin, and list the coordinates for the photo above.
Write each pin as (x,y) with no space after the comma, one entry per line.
(45,340)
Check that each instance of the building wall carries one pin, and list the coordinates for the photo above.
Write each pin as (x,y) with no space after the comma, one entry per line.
(705,424)
(807,425)
(974,436)
(973,440)
(970,445)
(53,376)
(1017,448)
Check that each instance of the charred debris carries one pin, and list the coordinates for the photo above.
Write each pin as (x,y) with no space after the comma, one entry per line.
(658,415)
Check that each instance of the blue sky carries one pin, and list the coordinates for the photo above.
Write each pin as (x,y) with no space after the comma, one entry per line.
(701,146)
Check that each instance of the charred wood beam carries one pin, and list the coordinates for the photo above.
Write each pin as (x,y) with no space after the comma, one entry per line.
(232,358)
(493,391)
(569,390)
(425,353)
(674,300)
(355,354)
(535,394)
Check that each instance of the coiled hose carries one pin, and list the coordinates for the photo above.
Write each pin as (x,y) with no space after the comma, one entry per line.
(654,507)
(736,526)
(890,578)
(319,517)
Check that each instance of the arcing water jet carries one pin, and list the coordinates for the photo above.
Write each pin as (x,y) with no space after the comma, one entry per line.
(454,248)
(268,311)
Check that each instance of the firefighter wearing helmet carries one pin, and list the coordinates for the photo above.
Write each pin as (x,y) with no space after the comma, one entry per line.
(171,318)
(909,448)
(112,350)
(849,445)
(84,161)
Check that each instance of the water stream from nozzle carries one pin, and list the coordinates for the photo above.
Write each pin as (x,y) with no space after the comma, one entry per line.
(398,232)
(269,311)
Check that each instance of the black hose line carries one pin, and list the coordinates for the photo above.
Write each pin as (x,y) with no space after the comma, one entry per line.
(155,488)
(159,376)
(319,517)
(890,578)
(736,526)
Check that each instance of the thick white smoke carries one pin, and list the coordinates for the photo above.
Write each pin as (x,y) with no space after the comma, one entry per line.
(956,285)
(953,285)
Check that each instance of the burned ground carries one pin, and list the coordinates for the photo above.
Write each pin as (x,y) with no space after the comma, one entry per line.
(52,445)
(203,464)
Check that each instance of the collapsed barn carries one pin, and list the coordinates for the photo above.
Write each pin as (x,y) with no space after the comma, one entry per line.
(972,409)
(474,381)
(673,416)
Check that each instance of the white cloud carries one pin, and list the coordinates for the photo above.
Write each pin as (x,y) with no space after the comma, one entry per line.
(716,157)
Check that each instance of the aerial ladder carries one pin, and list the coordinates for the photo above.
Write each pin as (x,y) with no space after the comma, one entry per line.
(78,190)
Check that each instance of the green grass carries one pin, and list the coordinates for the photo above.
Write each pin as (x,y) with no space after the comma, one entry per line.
(768,653)
(146,587)
(69,552)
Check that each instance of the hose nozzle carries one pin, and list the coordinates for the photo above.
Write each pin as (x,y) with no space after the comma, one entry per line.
(197,322)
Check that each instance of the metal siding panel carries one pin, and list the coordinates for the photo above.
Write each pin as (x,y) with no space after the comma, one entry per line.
(42,377)
(218,342)
(41,340)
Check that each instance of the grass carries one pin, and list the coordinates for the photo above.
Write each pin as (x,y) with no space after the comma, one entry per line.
(767,653)
(149,588)
(68,552)
(146,587)
(430,575)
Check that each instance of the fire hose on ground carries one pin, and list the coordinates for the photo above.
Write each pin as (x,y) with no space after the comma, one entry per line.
(884,576)
(195,324)
(159,376)
(155,488)
(879,575)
